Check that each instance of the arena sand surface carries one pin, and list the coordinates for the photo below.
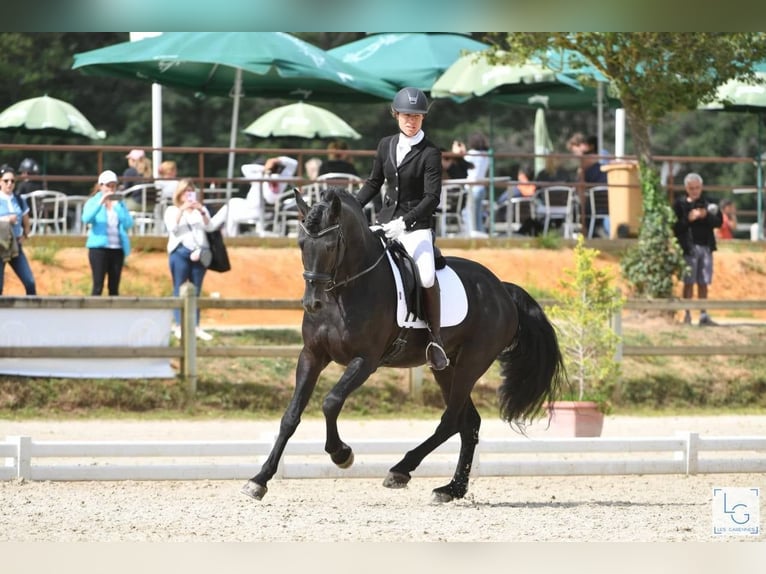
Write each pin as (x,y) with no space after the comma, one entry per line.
(507,509)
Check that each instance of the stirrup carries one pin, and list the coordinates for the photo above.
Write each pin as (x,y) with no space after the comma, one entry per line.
(440,349)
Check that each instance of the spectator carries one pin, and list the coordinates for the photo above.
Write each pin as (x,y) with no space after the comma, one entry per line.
(240,210)
(28,167)
(729,224)
(696,218)
(108,242)
(168,180)
(337,160)
(13,209)
(584,148)
(553,172)
(478,156)
(135,173)
(187,220)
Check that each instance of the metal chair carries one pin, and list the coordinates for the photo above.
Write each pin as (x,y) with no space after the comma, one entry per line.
(557,203)
(145,214)
(352,183)
(598,200)
(450,210)
(47,211)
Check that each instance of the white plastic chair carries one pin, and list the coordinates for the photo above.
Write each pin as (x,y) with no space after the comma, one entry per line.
(47,211)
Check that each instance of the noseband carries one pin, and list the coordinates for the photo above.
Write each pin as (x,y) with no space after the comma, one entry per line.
(330,278)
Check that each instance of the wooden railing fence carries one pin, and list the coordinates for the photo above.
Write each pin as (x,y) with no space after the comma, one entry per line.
(189,352)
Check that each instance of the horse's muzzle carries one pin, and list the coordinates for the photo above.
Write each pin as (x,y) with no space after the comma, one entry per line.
(312,299)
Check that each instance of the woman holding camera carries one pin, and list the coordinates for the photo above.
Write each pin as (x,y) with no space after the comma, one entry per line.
(108,242)
(187,220)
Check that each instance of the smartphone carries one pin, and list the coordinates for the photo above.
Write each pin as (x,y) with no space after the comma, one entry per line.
(191,196)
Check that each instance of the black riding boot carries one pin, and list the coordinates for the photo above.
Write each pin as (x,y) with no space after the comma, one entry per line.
(436,357)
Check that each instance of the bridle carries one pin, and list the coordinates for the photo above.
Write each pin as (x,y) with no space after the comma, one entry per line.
(331,278)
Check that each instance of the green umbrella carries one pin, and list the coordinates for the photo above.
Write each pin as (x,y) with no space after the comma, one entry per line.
(263,64)
(301,120)
(740,96)
(47,115)
(411,59)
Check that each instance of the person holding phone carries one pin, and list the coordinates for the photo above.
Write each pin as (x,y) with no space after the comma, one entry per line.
(108,242)
(187,221)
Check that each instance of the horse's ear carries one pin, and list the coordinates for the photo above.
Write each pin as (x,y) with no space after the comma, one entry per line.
(303,207)
(335,207)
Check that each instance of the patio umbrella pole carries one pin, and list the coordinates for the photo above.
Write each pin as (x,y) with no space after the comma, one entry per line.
(759,175)
(156,128)
(233,136)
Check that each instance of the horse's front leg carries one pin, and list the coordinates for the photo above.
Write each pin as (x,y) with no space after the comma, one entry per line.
(306,375)
(356,373)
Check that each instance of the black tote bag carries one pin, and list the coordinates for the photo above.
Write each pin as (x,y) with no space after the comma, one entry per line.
(220,260)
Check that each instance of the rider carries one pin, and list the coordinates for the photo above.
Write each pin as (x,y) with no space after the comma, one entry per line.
(411,166)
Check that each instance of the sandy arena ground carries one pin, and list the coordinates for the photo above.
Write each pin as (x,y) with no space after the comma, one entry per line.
(509,509)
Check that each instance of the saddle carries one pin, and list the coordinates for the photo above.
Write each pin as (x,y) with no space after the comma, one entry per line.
(411,286)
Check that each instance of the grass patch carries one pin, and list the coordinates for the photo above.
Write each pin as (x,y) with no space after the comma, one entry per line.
(45,254)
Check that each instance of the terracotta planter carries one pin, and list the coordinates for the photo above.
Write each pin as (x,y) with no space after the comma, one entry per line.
(576,418)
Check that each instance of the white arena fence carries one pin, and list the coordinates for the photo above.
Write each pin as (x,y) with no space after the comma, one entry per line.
(684,453)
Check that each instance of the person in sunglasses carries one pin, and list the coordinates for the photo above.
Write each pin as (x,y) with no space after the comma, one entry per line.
(13,210)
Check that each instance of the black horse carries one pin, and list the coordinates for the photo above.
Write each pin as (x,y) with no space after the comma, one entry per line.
(350,318)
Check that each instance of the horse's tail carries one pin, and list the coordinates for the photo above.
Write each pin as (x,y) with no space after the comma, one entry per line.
(532,367)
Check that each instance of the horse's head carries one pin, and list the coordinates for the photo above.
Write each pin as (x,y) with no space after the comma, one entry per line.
(326,230)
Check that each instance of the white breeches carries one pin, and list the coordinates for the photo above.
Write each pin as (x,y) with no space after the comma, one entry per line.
(419,244)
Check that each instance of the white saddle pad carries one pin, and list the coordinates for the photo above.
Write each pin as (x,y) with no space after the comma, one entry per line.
(454,302)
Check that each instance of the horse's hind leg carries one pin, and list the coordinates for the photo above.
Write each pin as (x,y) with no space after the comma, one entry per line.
(459,416)
(306,375)
(356,373)
(469,438)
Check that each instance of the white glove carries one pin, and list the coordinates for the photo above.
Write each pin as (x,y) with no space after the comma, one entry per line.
(394,228)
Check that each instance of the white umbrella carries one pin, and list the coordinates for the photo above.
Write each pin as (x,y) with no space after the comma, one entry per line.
(543,145)
(301,120)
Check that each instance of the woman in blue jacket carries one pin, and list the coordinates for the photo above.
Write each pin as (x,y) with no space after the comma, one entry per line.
(108,242)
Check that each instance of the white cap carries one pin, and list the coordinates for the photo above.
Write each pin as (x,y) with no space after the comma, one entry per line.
(107,176)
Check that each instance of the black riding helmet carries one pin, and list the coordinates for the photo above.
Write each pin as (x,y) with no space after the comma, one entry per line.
(29,165)
(410,101)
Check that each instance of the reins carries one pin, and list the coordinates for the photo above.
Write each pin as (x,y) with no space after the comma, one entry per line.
(330,278)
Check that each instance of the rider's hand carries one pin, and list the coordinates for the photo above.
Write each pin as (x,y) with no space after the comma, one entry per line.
(394,228)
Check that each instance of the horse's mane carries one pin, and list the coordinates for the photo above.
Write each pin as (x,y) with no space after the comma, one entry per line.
(315,218)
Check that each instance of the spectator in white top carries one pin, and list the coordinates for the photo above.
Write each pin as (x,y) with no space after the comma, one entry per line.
(250,208)
(478,155)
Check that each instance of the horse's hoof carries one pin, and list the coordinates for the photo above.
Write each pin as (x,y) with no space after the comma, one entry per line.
(396,480)
(348,462)
(254,490)
(441,497)
(343,457)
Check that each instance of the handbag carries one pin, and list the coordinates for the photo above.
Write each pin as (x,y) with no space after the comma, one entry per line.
(219,255)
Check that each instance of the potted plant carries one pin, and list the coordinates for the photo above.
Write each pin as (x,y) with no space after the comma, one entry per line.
(582,316)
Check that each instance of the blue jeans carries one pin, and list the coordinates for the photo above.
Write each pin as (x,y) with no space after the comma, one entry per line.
(20,266)
(183,269)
